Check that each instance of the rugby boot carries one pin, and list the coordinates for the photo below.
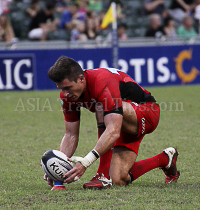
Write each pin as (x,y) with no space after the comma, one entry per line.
(99,181)
(171,172)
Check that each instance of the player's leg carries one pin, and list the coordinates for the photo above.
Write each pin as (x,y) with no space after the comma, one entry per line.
(102,177)
(124,169)
(141,120)
(165,160)
(130,119)
(122,160)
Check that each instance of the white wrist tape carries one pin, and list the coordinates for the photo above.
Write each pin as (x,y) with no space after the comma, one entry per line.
(91,157)
(88,160)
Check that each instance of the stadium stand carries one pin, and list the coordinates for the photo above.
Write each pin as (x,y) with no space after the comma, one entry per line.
(135,18)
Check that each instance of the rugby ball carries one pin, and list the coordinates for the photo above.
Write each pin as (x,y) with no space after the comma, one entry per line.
(55,164)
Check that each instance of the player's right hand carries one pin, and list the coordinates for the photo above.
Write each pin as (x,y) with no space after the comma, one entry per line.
(49,180)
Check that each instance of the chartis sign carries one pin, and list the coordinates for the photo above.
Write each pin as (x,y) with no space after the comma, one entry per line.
(186,75)
(149,65)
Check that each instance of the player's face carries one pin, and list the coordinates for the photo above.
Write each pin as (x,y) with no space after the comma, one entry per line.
(73,90)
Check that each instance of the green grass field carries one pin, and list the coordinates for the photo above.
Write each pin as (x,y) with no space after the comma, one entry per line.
(32,122)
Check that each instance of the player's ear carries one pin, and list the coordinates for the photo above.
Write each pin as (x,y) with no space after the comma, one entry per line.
(81,77)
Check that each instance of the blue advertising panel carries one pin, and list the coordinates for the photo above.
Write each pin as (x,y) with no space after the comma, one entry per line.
(17,71)
(162,65)
(149,66)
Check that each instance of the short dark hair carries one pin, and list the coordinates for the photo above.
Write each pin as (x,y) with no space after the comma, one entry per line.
(63,68)
(167,20)
(50,4)
(123,25)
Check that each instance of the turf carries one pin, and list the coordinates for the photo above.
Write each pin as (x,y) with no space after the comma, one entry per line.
(32,122)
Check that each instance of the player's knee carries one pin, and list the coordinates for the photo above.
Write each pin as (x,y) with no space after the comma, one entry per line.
(120,179)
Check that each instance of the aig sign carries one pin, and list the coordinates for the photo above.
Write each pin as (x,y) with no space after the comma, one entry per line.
(16,72)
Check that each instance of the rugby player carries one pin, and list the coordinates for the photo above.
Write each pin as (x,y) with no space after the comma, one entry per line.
(125,113)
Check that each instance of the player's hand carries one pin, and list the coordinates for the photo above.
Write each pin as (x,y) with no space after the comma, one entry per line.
(49,180)
(46,178)
(75,173)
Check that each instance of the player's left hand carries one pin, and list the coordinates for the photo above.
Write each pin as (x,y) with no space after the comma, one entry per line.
(77,171)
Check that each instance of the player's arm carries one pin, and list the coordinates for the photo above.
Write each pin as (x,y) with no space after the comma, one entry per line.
(113,123)
(69,141)
(109,96)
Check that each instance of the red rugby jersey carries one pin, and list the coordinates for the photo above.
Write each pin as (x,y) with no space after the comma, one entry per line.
(108,86)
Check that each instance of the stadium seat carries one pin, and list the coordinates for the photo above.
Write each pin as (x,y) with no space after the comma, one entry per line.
(13,7)
(42,4)
(22,6)
(60,34)
(140,32)
(16,19)
(104,33)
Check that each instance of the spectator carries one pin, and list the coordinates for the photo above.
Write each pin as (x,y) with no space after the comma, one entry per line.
(78,33)
(6,30)
(169,27)
(43,22)
(155,6)
(197,14)
(155,30)
(4,6)
(187,28)
(179,8)
(122,31)
(96,5)
(91,29)
(34,9)
(83,9)
(84,6)
(69,17)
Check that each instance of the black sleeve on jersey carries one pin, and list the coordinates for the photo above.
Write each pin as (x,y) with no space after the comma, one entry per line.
(132,91)
(118,110)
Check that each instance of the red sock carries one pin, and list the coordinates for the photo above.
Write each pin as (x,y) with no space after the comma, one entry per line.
(141,167)
(104,166)
(105,159)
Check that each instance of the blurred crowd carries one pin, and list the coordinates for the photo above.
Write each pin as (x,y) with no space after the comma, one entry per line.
(177,20)
(82,19)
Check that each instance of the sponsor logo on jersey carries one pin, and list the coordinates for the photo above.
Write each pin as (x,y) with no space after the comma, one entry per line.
(143,125)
